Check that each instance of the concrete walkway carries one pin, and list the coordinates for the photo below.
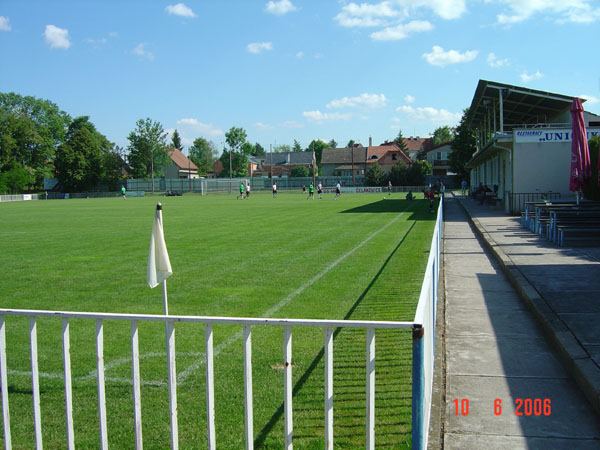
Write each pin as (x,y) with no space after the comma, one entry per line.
(496,350)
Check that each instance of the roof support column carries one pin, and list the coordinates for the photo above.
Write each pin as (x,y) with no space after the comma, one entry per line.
(501,106)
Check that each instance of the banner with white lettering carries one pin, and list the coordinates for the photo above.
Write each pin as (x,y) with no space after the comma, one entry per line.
(531,135)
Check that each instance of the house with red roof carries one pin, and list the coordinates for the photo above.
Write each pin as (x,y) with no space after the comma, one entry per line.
(181,166)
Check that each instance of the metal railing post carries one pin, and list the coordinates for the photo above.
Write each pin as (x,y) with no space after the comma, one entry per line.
(418,389)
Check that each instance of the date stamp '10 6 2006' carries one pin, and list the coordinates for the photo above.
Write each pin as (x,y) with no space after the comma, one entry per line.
(522,407)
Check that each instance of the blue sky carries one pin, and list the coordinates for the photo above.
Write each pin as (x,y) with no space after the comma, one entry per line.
(292,69)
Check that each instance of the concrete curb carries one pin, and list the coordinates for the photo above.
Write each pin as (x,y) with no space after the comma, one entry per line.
(573,356)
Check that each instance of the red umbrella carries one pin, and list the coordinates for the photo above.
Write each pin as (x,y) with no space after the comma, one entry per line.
(581,167)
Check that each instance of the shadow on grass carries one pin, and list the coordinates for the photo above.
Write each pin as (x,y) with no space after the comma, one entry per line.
(419,208)
(262,436)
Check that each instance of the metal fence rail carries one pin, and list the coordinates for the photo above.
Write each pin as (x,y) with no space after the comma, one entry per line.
(517,200)
(423,327)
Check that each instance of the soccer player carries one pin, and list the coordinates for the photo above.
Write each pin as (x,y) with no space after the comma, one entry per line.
(311,192)
(247,189)
(389,188)
(274,189)
(123,192)
(338,189)
(242,190)
(320,189)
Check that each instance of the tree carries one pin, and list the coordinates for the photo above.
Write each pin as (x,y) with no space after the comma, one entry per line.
(415,174)
(317,145)
(399,140)
(591,189)
(258,150)
(247,148)
(235,138)
(112,168)
(442,135)
(398,174)
(283,148)
(147,148)
(375,176)
(176,140)
(463,147)
(201,154)
(332,143)
(16,179)
(350,143)
(239,164)
(296,147)
(31,129)
(299,171)
(80,159)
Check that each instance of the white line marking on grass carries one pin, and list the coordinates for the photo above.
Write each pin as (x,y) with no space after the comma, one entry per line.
(184,375)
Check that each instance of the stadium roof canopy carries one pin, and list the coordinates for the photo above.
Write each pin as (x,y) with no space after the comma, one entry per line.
(517,105)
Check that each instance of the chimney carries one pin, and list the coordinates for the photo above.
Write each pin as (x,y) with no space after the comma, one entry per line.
(370,141)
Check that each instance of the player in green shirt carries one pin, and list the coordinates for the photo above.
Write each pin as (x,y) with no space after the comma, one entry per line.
(123,192)
(242,190)
(311,191)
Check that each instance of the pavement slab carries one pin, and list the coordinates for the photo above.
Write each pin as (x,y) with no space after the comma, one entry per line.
(495,350)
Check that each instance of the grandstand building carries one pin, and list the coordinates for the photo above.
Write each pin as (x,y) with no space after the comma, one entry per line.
(523,141)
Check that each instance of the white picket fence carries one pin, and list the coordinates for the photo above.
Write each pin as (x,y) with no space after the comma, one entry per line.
(423,328)
(18,197)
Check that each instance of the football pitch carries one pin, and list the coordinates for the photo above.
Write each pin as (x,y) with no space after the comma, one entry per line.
(359,257)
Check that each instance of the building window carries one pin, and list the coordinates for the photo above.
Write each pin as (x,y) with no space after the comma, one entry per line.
(394,157)
(439,156)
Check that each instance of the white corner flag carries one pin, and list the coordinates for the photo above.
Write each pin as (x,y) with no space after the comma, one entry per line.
(159,266)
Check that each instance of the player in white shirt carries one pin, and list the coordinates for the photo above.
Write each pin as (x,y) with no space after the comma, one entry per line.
(274,190)
(338,189)
(320,190)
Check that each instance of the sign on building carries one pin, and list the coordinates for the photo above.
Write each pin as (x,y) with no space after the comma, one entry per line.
(549,135)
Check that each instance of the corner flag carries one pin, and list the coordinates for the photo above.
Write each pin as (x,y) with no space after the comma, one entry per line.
(159,266)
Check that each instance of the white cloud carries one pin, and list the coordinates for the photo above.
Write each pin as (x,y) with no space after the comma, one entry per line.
(263,126)
(318,116)
(280,7)
(180,9)
(590,99)
(409,98)
(292,124)
(363,100)
(430,114)
(57,37)
(366,14)
(194,124)
(140,50)
(527,77)
(258,47)
(441,58)
(390,12)
(495,62)
(401,31)
(300,55)
(4,24)
(577,11)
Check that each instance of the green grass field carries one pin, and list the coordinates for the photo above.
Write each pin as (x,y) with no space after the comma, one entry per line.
(358,257)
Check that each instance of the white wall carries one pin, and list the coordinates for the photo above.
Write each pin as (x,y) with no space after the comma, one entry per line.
(542,166)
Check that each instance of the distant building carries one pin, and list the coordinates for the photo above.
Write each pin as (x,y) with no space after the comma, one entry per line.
(386,156)
(181,166)
(343,162)
(523,141)
(414,145)
(438,157)
(281,164)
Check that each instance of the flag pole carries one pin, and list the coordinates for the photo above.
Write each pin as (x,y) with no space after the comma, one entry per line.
(165,300)
(164,283)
